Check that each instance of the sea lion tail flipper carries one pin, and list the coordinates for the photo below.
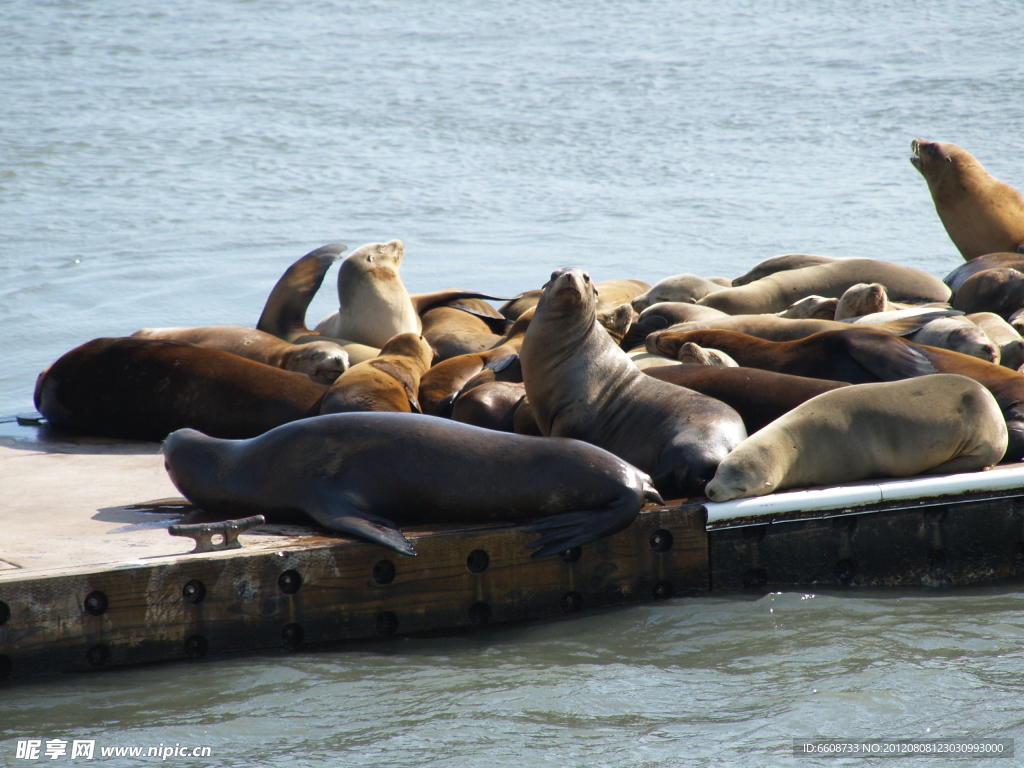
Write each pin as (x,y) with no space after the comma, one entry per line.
(572,529)
(890,358)
(501,363)
(284,314)
(341,514)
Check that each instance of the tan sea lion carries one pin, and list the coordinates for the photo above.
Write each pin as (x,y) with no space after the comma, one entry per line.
(957,277)
(783,263)
(325,361)
(581,384)
(389,382)
(811,308)
(1004,336)
(469,325)
(677,288)
(615,293)
(694,354)
(981,214)
(960,335)
(937,424)
(778,291)
(369,473)
(775,328)
(643,359)
(993,290)
(143,389)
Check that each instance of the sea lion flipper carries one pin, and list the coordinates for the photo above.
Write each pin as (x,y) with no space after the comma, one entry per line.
(339,513)
(284,314)
(501,362)
(572,529)
(889,357)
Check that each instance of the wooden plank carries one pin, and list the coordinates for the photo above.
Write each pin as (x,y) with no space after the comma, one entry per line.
(309,594)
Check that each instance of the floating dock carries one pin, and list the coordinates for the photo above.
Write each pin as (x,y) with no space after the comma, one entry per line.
(90,577)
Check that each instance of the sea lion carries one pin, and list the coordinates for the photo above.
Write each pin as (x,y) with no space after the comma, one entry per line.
(368,473)
(580,384)
(937,424)
(960,335)
(760,397)
(866,299)
(470,325)
(325,361)
(615,293)
(993,290)
(783,263)
(143,389)
(694,354)
(662,315)
(643,359)
(980,213)
(682,288)
(811,308)
(1004,336)
(776,292)
(491,405)
(957,277)
(389,382)
(862,356)
(284,314)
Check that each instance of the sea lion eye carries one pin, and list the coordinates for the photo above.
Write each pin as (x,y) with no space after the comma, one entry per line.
(586,278)
(369,258)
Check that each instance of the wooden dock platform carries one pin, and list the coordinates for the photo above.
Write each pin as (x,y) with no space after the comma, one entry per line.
(90,578)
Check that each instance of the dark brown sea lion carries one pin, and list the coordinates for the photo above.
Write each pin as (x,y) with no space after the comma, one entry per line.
(776,292)
(981,214)
(580,384)
(491,405)
(325,361)
(936,424)
(783,263)
(143,389)
(994,290)
(368,473)
(758,396)
(989,261)
(389,382)
(861,356)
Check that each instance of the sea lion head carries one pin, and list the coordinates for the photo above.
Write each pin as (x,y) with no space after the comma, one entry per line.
(743,474)
(862,299)
(694,354)
(569,291)
(943,165)
(378,262)
(194,463)
(411,345)
(323,360)
(616,321)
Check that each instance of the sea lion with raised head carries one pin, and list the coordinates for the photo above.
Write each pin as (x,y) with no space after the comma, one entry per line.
(981,214)
(366,474)
(389,382)
(325,361)
(580,384)
(778,291)
(143,389)
(936,424)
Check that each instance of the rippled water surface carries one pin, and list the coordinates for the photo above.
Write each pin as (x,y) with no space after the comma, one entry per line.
(161,164)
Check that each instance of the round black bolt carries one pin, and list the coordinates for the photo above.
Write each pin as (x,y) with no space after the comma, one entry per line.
(289,582)
(663,590)
(384,572)
(571,555)
(387,624)
(661,540)
(846,570)
(479,614)
(478,561)
(292,636)
(96,603)
(5,612)
(5,667)
(98,656)
(196,647)
(572,602)
(193,592)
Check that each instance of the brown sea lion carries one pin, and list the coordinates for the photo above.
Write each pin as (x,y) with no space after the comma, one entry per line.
(998,290)
(615,293)
(389,382)
(989,261)
(471,325)
(783,263)
(491,405)
(694,354)
(960,335)
(776,292)
(581,384)
(760,397)
(981,214)
(862,356)
(811,308)
(937,424)
(325,361)
(143,389)
(368,473)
